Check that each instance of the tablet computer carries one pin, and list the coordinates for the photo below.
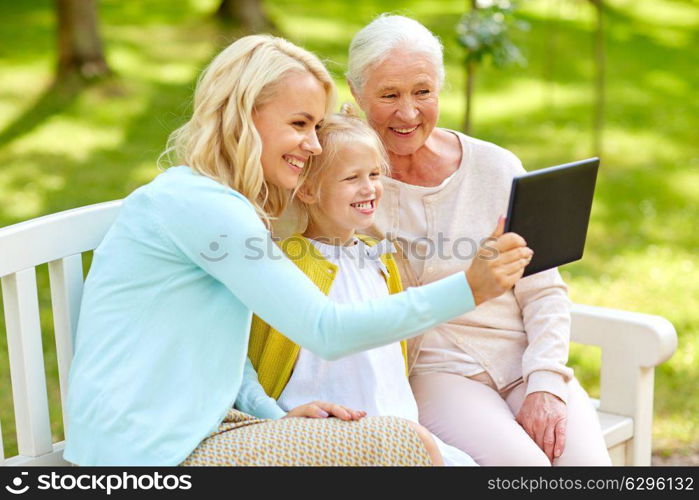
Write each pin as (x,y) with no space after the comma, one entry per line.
(550,209)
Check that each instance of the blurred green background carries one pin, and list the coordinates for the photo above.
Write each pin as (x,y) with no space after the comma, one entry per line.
(65,146)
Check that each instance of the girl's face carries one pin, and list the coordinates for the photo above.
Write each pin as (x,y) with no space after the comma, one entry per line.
(348,196)
(287,126)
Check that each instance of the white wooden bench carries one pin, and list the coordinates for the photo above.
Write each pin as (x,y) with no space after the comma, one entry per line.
(632,344)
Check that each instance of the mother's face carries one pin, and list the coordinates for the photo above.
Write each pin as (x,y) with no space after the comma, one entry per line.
(401,100)
(287,125)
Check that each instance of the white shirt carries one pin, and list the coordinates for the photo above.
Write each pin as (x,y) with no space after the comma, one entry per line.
(374,381)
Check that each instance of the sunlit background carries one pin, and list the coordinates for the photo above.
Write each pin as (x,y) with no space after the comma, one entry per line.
(626,90)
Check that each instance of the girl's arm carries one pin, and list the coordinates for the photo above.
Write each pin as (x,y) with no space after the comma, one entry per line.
(253,400)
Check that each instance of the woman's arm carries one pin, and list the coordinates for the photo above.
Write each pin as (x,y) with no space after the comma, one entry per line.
(252,398)
(200,215)
(546,315)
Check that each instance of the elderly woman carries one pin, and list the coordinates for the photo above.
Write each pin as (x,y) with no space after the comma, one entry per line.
(494,381)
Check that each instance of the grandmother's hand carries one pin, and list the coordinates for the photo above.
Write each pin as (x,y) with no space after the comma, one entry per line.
(500,262)
(544,416)
(322,409)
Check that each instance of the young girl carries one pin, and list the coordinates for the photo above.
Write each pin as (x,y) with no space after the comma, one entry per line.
(339,193)
(162,337)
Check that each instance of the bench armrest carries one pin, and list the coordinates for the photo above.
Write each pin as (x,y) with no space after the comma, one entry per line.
(632,344)
(645,340)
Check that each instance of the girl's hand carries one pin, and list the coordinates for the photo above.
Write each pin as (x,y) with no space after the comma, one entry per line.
(322,409)
(499,264)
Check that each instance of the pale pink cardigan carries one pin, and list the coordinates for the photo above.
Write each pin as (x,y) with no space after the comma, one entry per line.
(525,332)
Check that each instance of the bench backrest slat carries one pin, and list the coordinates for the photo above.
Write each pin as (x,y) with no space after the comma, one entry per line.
(59,240)
(66,277)
(27,363)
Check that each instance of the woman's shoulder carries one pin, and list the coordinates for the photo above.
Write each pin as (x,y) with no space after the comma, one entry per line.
(184,182)
(181,189)
(179,197)
(487,156)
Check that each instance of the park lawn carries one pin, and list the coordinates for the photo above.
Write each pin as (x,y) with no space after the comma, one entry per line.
(70,147)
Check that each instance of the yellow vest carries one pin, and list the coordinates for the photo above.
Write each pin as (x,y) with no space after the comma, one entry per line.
(272,354)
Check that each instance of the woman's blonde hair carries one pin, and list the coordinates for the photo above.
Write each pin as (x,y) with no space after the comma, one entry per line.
(337,132)
(220,140)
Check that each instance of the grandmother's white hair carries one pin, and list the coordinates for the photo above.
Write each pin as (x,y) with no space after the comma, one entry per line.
(374,41)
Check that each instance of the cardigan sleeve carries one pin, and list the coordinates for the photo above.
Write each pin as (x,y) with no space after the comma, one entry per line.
(216,229)
(546,314)
(252,398)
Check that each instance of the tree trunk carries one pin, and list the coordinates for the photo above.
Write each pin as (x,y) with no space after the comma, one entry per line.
(600,70)
(250,15)
(550,57)
(470,81)
(79,44)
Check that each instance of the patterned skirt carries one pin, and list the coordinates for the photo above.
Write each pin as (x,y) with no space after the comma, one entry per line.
(242,439)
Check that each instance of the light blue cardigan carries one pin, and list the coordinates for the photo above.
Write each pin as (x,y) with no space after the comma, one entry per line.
(162,336)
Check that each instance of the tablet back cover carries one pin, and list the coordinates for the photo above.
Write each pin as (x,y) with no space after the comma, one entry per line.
(550,209)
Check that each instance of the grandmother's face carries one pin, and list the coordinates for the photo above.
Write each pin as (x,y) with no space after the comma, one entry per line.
(401,100)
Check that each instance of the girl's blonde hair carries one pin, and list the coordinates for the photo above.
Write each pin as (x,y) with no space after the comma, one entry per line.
(337,132)
(220,140)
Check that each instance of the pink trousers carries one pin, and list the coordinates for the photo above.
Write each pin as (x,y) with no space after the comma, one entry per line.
(470,414)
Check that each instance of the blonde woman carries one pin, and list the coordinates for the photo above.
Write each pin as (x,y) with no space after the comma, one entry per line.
(162,337)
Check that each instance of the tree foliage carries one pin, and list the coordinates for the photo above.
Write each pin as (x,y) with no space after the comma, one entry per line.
(485,31)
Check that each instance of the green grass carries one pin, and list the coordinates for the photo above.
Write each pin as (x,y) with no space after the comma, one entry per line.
(66,146)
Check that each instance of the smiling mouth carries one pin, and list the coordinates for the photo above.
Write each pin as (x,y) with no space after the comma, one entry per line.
(365,207)
(404,130)
(294,163)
